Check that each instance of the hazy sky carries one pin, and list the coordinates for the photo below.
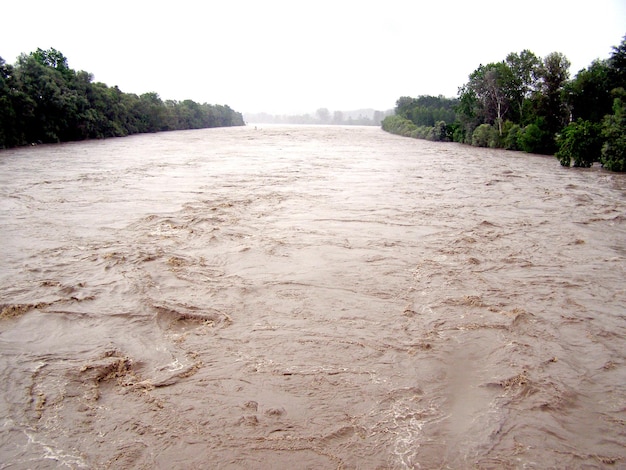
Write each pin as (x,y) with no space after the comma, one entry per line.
(298,56)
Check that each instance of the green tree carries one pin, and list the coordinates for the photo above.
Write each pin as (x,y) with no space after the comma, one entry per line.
(149,113)
(524,76)
(512,136)
(404,105)
(49,98)
(440,132)
(485,135)
(553,75)
(617,66)
(51,58)
(43,100)
(492,85)
(9,135)
(613,155)
(588,95)
(579,144)
(535,138)
(398,125)
(469,114)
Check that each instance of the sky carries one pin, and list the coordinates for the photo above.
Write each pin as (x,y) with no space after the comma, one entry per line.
(291,57)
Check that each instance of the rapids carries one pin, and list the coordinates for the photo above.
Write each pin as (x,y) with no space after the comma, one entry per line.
(309,297)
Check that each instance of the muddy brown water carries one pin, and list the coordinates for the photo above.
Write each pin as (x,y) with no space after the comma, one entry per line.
(309,297)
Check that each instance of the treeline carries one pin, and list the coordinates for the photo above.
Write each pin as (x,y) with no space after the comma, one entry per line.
(530,104)
(361,117)
(42,100)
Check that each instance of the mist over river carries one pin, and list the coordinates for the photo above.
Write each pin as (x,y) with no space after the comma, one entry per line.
(309,297)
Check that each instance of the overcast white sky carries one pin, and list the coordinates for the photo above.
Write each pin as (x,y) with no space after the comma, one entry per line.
(298,56)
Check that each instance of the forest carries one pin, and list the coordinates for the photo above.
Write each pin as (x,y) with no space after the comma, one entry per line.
(42,100)
(530,104)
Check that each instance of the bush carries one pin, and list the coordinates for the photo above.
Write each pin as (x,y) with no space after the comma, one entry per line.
(440,131)
(534,139)
(398,125)
(613,153)
(484,135)
(405,127)
(579,143)
(511,137)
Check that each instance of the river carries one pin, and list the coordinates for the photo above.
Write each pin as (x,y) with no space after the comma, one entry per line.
(309,297)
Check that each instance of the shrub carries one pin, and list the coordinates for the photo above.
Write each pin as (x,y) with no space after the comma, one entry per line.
(398,125)
(440,131)
(534,139)
(484,136)
(579,143)
(511,138)
(613,153)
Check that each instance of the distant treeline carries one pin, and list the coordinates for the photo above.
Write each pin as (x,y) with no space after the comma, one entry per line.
(42,100)
(530,104)
(361,117)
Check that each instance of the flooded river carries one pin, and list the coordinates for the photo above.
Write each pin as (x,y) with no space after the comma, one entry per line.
(309,297)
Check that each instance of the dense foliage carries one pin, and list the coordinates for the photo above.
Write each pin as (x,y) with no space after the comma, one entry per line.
(43,100)
(530,104)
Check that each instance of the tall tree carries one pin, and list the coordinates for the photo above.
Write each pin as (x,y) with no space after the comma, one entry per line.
(553,75)
(614,132)
(404,105)
(588,95)
(492,85)
(337,117)
(323,115)
(7,111)
(469,114)
(51,58)
(524,75)
(617,65)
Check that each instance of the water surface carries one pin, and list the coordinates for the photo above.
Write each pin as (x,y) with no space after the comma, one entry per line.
(309,297)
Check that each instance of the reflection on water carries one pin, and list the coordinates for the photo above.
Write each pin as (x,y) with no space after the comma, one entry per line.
(309,297)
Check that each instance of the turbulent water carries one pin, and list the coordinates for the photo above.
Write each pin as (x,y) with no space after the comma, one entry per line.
(309,297)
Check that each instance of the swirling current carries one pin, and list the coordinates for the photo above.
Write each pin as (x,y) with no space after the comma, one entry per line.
(309,297)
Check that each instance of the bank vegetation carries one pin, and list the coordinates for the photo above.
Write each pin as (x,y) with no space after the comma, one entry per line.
(530,104)
(43,100)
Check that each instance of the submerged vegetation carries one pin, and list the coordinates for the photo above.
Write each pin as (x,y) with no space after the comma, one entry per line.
(42,100)
(530,104)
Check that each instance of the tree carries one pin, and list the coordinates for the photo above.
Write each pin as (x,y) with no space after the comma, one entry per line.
(535,138)
(484,136)
(43,100)
(337,117)
(524,74)
(440,132)
(579,144)
(613,156)
(498,80)
(469,114)
(323,115)
(398,125)
(490,92)
(617,66)
(588,95)
(49,98)
(51,58)
(512,136)
(553,74)
(8,132)
(404,105)
(378,117)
